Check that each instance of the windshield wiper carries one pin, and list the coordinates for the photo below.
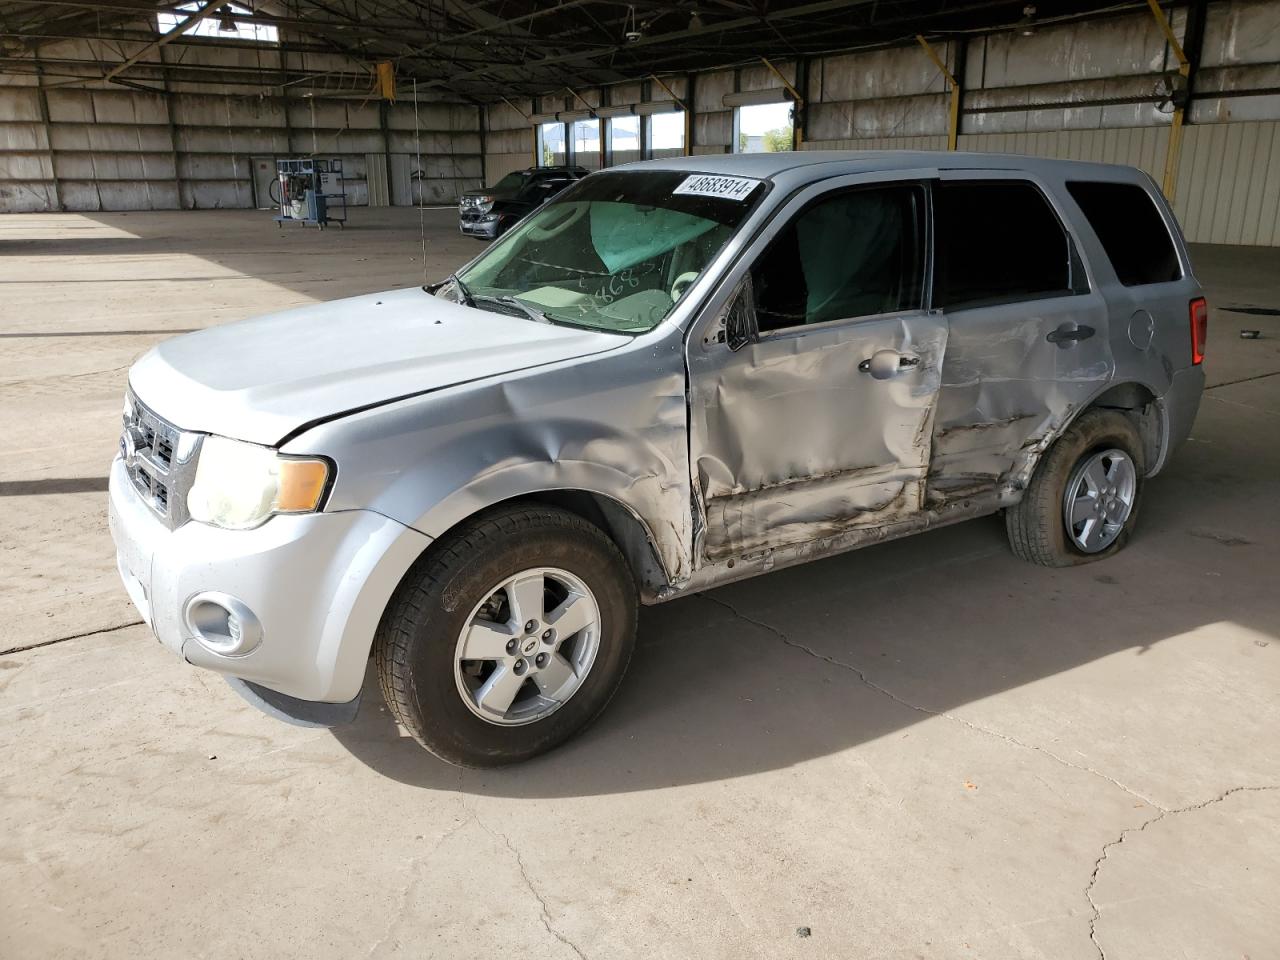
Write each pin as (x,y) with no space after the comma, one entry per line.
(533,313)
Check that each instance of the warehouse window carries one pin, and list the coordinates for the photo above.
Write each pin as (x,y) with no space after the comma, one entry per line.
(762,128)
(1131,230)
(666,134)
(220,24)
(551,145)
(585,137)
(624,140)
(997,242)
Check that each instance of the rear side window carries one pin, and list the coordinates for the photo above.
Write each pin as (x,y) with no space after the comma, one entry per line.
(1131,229)
(997,242)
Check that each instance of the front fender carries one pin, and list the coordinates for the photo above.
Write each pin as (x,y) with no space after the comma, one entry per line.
(661,511)
(614,426)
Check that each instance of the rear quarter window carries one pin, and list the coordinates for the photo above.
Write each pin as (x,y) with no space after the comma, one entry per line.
(1131,230)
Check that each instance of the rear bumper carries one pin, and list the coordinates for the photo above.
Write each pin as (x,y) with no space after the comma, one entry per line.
(1179,407)
(316,583)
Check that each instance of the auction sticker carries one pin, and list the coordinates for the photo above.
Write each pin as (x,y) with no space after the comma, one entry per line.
(708,185)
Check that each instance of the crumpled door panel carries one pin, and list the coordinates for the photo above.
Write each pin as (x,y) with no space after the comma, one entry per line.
(793,442)
(1007,389)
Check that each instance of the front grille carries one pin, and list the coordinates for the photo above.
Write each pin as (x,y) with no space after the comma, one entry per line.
(160,461)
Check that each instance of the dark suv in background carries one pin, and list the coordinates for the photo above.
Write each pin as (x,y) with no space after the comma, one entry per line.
(489,213)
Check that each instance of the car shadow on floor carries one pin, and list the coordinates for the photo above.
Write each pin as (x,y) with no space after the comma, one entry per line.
(814,660)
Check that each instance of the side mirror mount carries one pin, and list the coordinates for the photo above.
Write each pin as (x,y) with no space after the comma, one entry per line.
(735,327)
(740,320)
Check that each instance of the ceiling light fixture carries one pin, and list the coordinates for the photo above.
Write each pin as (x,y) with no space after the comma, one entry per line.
(227,20)
(632,30)
(1027,25)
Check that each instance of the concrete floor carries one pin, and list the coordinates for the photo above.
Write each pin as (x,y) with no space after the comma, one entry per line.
(922,749)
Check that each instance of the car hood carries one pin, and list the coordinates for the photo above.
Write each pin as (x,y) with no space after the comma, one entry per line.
(262,379)
(506,193)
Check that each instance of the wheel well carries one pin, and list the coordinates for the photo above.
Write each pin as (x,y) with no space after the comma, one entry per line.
(622,526)
(1139,404)
(618,523)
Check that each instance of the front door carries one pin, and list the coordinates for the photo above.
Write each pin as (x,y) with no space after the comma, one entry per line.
(1027,340)
(818,419)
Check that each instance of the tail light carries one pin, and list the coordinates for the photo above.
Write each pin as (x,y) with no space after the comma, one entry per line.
(1199,328)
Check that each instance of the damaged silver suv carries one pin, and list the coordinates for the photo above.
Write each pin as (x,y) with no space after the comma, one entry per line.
(676,374)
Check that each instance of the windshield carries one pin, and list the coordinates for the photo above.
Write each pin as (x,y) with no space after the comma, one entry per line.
(618,251)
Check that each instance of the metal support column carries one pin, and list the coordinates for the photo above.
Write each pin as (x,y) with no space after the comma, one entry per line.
(1188,57)
(797,133)
(801,118)
(953,110)
(43,99)
(642,141)
(1179,97)
(483,110)
(173,134)
(690,79)
(686,105)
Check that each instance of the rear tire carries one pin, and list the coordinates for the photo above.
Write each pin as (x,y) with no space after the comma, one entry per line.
(455,639)
(1098,443)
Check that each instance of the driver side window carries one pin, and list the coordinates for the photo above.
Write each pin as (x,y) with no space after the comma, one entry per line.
(857,253)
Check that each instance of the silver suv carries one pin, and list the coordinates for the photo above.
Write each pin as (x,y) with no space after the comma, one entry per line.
(675,375)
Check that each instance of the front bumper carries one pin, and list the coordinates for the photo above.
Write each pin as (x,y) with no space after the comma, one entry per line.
(318,584)
(484,229)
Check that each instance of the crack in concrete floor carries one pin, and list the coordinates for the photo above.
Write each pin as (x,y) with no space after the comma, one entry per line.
(544,911)
(74,636)
(1106,850)
(415,866)
(884,691)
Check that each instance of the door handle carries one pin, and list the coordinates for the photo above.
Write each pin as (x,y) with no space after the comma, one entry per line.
(1067,334)
(884,364)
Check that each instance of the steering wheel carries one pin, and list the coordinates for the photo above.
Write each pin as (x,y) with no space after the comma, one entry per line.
(682,284)
(546,233)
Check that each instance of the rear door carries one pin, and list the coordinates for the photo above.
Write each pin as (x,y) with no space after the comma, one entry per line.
(1027,340)
(818,421)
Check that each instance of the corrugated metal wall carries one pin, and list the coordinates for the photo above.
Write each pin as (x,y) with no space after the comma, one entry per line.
(1228,179)
(195,146)
(1142,147)
(1229,183)
(1082,90)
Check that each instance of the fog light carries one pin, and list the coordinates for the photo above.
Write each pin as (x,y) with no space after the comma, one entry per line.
(223,624)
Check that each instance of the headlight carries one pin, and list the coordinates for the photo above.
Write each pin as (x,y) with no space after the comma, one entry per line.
(484,204)
(241,485)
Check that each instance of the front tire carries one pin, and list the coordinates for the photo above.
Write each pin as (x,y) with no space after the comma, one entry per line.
(509,637)
(1082,502)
